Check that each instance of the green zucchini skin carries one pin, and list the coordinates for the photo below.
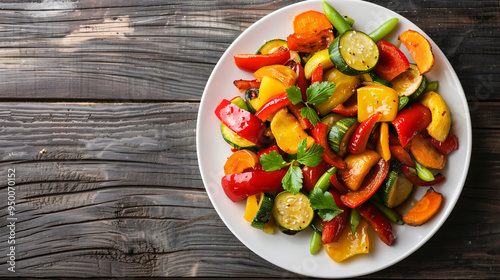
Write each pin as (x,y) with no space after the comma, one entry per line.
(338,131)
(345,60)
(232,139)
(264,212)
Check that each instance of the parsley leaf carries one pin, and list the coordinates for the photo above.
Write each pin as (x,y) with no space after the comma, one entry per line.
(309,113)
(318,93)
(292,181)
(272,161)
(294,94)
(312,157)
(324,203)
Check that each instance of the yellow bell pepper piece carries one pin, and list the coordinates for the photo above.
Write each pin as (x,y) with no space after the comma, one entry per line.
(269,87)
(345,88)
(288,132)
(375,98)
(322,57)
(350,244)
(251,208)
(383,142)
(439,128)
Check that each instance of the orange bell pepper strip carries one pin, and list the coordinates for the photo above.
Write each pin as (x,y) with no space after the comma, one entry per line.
(383,142)
(320,134)
(402,155)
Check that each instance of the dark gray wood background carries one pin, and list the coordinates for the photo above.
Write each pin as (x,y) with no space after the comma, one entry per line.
(99,101)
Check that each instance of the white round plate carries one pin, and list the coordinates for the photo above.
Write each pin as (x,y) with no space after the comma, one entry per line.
(292,252)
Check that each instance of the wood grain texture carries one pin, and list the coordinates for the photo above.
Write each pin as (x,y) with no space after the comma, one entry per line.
(98,118)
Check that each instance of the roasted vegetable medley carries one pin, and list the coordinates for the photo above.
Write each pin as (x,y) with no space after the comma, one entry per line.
(334,133)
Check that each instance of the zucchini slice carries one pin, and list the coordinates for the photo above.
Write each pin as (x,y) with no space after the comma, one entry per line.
(354,53)
(338,132)
(261,218)
(292,212)
(235,140)
(397,188)
(410,82)
(331,119)
(272,45)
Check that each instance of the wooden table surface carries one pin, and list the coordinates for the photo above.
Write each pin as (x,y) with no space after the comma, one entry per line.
(98,110)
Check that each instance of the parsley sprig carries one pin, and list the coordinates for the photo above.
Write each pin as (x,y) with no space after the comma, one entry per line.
(292,181)
(317,93)
(324,203)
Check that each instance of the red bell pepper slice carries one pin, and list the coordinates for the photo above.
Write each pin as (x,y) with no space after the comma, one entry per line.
(391,61)
(252,62)
(338,185)
(317,74)
(410,121)
(273,105)
(379,222)
(244,85)
(305,123)
(369,186)
(411,175)
(320,134)
(242,185)
(358,141)
(402,155)
(242,122)
(302,82)
(448,145)
(310,42)
(312,174)
(348,108)
(333,229)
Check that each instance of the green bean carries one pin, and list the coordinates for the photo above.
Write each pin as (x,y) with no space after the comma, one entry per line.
(403,100)
(389,213)
(350,21)
(316,243)
(432,86)
(337,20)
(323,182)
(383,30)
(423,173)
(354,219)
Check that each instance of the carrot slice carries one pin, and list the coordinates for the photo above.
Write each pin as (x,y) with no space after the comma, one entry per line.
(425,208)
(425,153)
(310,22)
(240,161)
(420,50)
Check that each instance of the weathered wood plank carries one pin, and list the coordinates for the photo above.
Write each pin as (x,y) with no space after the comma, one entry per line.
(94,50)
(124,207)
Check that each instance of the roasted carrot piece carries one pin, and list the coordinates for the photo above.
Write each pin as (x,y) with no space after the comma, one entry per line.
(240,161)
(425,153)
(420,50)
(310,22)
(425,208)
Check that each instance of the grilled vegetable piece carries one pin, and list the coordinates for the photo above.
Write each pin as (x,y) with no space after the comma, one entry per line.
(292,212)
